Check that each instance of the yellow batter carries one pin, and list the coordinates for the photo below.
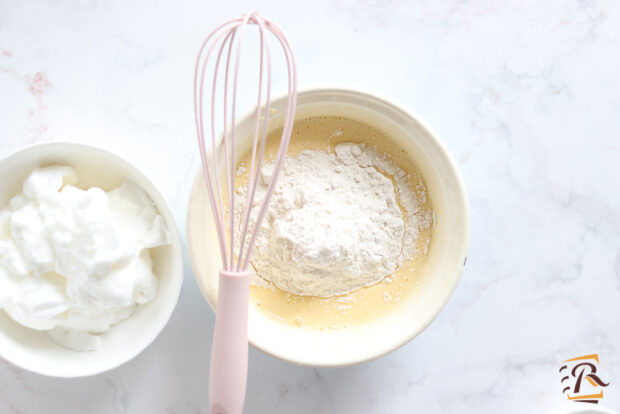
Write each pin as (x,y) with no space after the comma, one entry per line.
(323,133)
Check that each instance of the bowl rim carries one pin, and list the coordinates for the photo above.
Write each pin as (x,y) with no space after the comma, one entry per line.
(574,408)
(176,244)
(459,188)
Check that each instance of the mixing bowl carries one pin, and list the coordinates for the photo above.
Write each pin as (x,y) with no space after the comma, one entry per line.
(444,262)
(34,350)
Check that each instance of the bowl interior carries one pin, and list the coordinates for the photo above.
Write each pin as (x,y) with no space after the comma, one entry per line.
(33,350)
(444,262)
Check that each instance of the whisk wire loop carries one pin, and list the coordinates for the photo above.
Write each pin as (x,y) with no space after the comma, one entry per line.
(228,40)
(256,160)
(216,208)
(286,134)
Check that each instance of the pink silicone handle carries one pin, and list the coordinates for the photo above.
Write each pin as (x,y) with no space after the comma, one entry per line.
(229,354)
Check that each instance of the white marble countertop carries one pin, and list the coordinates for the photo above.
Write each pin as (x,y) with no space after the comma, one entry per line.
(525,94)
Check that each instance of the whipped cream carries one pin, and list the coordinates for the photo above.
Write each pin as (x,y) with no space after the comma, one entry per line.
(75,262)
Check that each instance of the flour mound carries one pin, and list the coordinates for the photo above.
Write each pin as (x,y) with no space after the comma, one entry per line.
(334,224)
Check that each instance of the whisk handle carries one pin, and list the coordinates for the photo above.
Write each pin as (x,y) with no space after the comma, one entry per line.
(229,353)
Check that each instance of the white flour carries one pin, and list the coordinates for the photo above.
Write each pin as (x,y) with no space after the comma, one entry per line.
(334,224)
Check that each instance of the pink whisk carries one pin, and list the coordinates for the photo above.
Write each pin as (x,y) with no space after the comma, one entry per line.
(229,354)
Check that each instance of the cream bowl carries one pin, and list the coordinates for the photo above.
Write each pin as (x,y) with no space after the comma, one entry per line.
(34,350)
(444,263)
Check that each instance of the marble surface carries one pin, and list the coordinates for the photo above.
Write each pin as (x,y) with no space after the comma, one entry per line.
(525,93)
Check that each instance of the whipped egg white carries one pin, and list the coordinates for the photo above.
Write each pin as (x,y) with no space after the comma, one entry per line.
(74,262)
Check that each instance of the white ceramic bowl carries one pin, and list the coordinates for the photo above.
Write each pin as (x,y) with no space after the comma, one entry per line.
(445,260)
(580,408)
(33,350)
